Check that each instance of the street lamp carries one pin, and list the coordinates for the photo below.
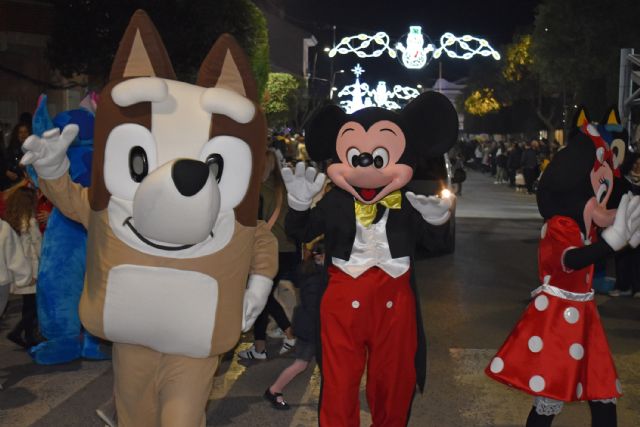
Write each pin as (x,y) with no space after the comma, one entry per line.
(332,82)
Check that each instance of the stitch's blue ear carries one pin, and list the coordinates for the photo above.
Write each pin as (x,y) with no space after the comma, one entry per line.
(40,123)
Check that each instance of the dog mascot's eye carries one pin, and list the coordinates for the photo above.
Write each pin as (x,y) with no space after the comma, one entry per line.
(138,163)
(216,164)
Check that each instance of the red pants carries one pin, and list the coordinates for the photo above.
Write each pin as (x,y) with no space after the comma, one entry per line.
(369,320)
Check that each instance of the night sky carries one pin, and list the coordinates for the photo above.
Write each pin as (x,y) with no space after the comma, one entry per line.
(495,20)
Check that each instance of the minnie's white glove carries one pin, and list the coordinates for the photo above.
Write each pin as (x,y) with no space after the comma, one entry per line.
(255,298)
(633,221)
(434,210)
(618,234)
(302,186)
(48,154)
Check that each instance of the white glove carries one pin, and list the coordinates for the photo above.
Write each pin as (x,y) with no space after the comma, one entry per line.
(633,221)
(618,234)
(255,298)
(434,210)
(48,154)
(302,186)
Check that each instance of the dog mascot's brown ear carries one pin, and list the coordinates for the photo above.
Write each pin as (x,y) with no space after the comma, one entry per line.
(141,51)
(226,66)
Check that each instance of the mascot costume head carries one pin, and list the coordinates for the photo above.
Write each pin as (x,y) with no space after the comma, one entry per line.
(172,223)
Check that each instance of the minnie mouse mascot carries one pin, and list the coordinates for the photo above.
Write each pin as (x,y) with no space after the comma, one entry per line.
(558,351)
(369,314)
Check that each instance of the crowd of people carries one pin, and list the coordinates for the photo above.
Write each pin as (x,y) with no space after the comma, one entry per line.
(516,163)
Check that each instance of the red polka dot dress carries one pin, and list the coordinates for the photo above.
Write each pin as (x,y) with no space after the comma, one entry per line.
(558,348)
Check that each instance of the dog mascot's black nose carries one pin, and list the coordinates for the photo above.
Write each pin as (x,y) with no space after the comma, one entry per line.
(189,176)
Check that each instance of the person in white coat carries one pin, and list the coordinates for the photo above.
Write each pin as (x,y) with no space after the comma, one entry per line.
(15,270)
(20,214)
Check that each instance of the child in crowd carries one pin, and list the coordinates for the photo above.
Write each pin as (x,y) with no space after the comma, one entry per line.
(20,214)
(305,324)
(15,270)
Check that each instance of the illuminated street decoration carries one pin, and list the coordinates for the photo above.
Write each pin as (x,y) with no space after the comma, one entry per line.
(380,39)
(415,54)
(362,96)
(466,43)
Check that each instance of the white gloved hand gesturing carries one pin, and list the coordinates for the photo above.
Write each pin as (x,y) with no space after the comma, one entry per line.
(633,221)
(618,234)
(255,298)
(434,210)
(48,154)
(302,185)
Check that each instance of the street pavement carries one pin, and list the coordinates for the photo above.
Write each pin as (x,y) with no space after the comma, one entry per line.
(470,302)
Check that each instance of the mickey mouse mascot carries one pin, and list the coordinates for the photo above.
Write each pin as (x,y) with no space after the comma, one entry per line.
(369,313)
(558,351)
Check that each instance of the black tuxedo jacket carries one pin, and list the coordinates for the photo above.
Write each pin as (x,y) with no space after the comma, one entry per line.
(334,216)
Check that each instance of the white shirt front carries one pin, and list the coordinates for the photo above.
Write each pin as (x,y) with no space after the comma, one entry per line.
(371,249)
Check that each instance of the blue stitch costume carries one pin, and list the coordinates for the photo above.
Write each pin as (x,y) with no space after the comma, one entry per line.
(63,257)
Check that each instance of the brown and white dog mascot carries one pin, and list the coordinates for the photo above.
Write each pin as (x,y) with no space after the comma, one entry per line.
(171,218)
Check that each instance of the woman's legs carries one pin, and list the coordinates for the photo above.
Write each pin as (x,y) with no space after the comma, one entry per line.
(543,411)
(603,414)
(289,373)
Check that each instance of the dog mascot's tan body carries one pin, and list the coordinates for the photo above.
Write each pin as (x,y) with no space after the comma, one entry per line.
(171,218)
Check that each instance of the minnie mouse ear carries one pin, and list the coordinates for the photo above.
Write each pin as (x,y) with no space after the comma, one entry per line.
(434,123)
(321,132)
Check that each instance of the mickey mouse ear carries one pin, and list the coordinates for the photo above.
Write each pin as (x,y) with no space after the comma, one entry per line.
(434,123)
(320,133)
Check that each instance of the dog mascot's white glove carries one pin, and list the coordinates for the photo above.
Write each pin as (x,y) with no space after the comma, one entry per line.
(255,298)
(302,186)
(633,221)
(618,234)
(48,154)
(434,210)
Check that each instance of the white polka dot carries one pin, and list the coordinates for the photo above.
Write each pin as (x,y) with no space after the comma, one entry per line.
(592,130)
(389,304)
(355,304)
(618,386)
(579,390)
(571,315)
(543,231)
(541,302)
(536,383)
(535,344)
(576,351)
(497,365)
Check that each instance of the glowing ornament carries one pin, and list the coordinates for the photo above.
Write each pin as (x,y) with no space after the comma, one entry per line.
(415,56)
(381,96)
(380,39)
(483,48)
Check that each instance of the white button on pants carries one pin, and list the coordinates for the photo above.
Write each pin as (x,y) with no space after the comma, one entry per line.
(355,304)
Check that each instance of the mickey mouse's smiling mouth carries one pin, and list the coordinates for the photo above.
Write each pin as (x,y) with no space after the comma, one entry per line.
(127,222)
(368,194)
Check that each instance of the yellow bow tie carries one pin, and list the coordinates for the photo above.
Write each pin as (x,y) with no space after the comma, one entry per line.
(366,213)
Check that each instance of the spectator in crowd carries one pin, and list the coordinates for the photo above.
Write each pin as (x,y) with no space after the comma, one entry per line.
(530,165)
(305,323)
(12,171)
(20,214)
(514,161)
(274,209)
(501,164)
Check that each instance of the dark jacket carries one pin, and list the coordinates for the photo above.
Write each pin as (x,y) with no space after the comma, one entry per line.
(334,216)
(529,159)
(307,313)
(514,161)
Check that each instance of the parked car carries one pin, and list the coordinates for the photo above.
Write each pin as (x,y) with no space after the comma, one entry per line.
(434,176)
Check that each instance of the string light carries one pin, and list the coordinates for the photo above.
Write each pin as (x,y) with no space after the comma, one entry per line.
(418,50)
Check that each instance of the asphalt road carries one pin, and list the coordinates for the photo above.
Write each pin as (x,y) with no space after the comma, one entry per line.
(470,301)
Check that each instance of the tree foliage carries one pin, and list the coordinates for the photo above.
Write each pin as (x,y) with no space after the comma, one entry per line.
(86,33)
(481,102)
(279,97)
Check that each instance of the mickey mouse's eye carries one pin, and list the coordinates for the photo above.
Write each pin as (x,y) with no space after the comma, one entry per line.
(380,157)
(138,163)
(352,155)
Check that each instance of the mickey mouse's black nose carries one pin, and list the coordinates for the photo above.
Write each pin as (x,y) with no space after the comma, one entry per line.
(189,176)
(365,159)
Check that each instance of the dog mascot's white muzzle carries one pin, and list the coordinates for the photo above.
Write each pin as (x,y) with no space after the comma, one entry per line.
(177,203)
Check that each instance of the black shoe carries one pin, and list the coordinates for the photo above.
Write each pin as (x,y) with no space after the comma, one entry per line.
(273,398)
(17,339)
